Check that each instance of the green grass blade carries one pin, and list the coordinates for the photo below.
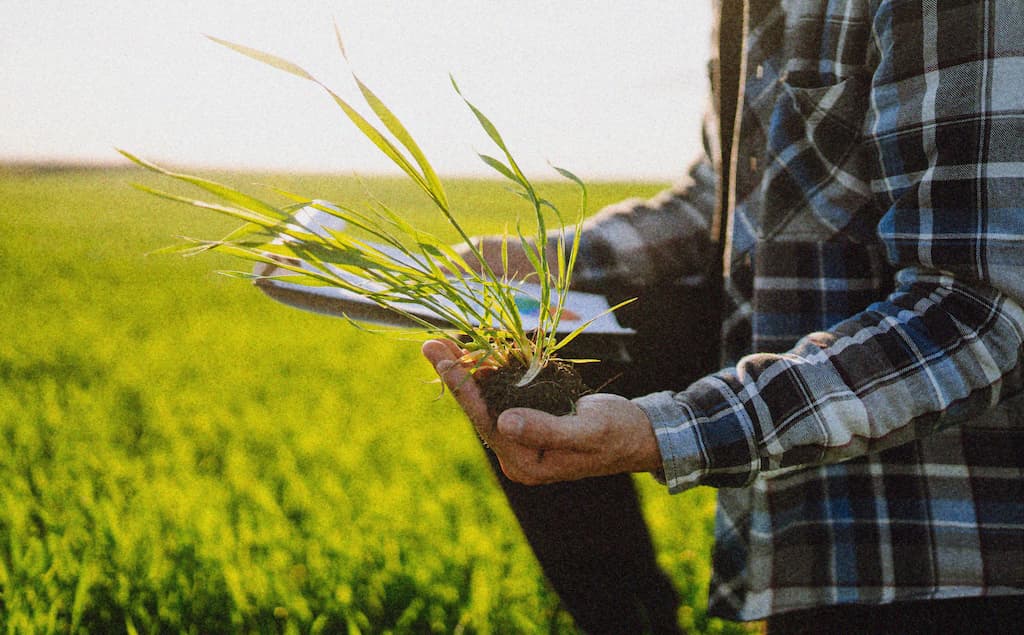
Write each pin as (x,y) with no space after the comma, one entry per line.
(485,123)
(225,192)
(530,250)
(504,252)
(368,130)
(380,140)
(395,127)
(492,132)
(268,59)
(350,215)
(241,214)
(499,167)
(576,332)
(572,177)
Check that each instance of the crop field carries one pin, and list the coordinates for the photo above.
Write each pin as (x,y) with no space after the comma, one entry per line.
(181,454)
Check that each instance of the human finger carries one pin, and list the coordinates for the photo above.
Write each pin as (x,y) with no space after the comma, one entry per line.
(437,351)
(541,466)
(444,355)
(453,348)
(538,429)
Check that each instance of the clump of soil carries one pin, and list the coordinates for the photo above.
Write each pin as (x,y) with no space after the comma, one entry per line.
(555,390)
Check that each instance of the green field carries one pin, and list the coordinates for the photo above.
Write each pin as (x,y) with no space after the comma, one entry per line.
(183,455)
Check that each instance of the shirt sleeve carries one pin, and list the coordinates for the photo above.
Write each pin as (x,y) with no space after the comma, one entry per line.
(945,346)
(638,243)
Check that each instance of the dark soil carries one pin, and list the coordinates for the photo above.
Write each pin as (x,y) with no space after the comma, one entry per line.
(555,390)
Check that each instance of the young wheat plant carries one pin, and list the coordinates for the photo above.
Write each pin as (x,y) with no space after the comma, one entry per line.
(405,264)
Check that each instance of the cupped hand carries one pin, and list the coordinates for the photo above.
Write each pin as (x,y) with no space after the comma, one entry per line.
(607,434)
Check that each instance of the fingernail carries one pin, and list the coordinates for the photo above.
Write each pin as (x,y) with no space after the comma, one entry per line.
(444,366)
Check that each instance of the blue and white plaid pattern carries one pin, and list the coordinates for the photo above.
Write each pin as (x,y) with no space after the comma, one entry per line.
(868,432)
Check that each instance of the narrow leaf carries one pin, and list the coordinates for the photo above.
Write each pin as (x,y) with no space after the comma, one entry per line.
(569,175)
(395,127)
(225,192)
(271,60)
(241,214)
(379,140)
(341,44)
(500,168)
(576,332)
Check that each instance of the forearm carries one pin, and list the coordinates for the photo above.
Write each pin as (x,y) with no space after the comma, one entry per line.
(637,243)
(940,159)
(935,353)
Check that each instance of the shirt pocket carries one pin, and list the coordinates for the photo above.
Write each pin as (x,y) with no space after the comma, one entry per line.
(818,176)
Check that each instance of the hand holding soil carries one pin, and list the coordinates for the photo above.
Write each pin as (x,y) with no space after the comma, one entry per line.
(607,434)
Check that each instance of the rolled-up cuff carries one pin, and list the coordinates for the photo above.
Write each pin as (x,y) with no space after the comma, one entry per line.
(674,424)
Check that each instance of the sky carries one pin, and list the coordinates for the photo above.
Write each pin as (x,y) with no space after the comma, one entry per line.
(606,89)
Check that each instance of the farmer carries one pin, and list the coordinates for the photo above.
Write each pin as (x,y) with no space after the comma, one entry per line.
(863,175)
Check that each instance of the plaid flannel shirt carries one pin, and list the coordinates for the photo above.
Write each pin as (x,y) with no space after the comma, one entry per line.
(867,433)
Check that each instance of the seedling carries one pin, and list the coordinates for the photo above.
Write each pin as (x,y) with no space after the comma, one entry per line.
(408,265)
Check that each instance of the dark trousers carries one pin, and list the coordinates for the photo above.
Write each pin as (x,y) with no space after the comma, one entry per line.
(589,536)
(593,545)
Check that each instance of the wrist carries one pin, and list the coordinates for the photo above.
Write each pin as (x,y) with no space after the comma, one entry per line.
(637,443)
(648,457)
(675,425)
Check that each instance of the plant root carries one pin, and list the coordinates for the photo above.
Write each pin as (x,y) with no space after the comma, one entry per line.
(555,390)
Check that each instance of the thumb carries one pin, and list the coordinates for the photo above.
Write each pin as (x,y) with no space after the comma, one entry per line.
(536,428)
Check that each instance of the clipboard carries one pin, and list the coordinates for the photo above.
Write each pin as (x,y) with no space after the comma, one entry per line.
(333,301)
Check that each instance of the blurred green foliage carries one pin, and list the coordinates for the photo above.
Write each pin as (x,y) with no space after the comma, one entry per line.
(183,455)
